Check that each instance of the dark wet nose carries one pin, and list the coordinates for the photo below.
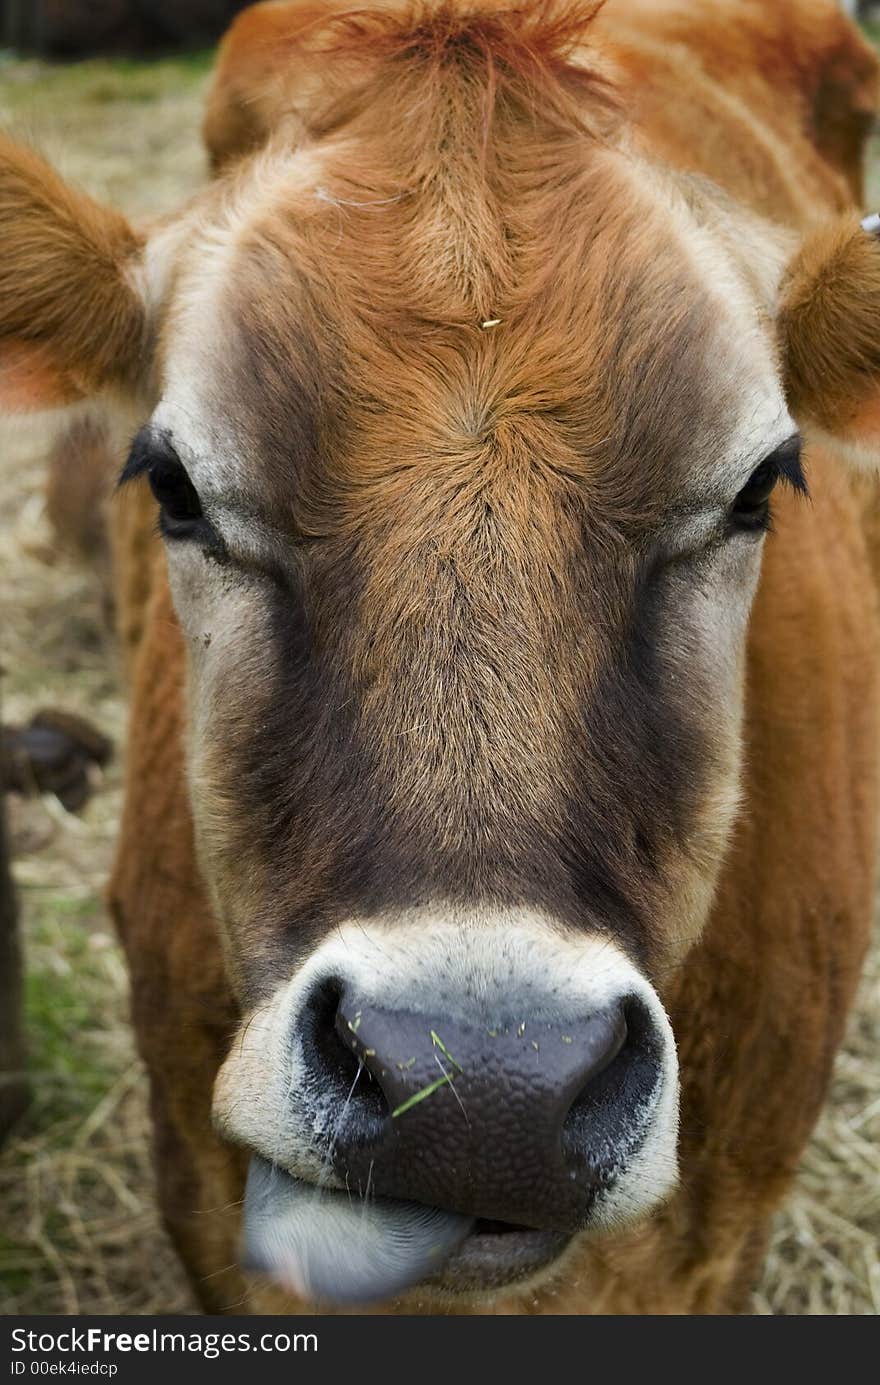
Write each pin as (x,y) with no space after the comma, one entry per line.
(522,1121)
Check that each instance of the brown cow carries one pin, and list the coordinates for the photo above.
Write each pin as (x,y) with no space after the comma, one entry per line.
(498,789)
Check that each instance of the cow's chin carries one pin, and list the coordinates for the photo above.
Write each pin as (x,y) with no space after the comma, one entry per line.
(328,1249)
(331,1251)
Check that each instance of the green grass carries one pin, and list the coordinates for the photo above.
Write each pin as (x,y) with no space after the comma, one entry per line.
(15,1261)
(71,1057)
(99,81)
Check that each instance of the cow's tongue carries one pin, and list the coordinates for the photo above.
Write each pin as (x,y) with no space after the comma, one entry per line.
(329,1247)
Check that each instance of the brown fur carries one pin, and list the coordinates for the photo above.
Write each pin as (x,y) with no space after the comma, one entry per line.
(253,70)
(828,321)
(81,469)
(759,1003)
(511,466)
(61,251)
(738,1151)
(774,102)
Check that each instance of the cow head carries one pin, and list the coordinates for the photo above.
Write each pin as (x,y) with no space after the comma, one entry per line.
(465,424)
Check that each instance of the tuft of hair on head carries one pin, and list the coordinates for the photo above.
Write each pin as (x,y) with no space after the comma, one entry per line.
(827,322)
(535,49)
(446,30)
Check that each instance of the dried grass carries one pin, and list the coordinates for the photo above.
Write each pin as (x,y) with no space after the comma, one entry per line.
(79,1231)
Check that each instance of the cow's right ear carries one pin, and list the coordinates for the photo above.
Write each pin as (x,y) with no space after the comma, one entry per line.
(829,331)
(72,319)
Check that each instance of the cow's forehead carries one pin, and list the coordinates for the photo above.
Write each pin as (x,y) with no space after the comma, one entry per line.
(315,337)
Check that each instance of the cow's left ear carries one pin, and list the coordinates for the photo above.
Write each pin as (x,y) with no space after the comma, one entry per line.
(829,331)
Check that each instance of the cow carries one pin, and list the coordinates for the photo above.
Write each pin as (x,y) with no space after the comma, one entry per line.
(499,846)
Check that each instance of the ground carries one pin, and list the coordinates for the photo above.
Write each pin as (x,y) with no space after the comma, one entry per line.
(78,1230)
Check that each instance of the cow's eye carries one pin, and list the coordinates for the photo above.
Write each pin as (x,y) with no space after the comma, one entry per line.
(751,509)
(179,505)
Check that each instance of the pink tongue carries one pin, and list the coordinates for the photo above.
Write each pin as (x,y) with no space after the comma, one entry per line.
(323,1245)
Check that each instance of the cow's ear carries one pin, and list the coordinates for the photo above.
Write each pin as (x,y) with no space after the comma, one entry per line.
(72,319)
(829,328)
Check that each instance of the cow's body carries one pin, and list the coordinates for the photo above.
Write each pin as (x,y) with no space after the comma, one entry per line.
(468,394)
(770,101)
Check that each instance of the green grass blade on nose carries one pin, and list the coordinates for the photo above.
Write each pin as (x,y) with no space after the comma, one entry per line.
(438,1043)
(421,1095)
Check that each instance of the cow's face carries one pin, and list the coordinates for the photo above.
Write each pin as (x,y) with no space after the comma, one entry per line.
(463,500)
(465,598)
(465,577)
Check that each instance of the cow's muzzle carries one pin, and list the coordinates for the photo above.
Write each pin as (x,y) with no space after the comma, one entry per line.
(515,1120)
(457,1130)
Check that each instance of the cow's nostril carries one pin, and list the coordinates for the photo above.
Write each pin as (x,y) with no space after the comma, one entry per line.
(349,1091)
(605,1040)
(600,1121)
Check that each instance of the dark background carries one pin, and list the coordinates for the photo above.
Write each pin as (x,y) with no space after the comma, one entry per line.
(83,28)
